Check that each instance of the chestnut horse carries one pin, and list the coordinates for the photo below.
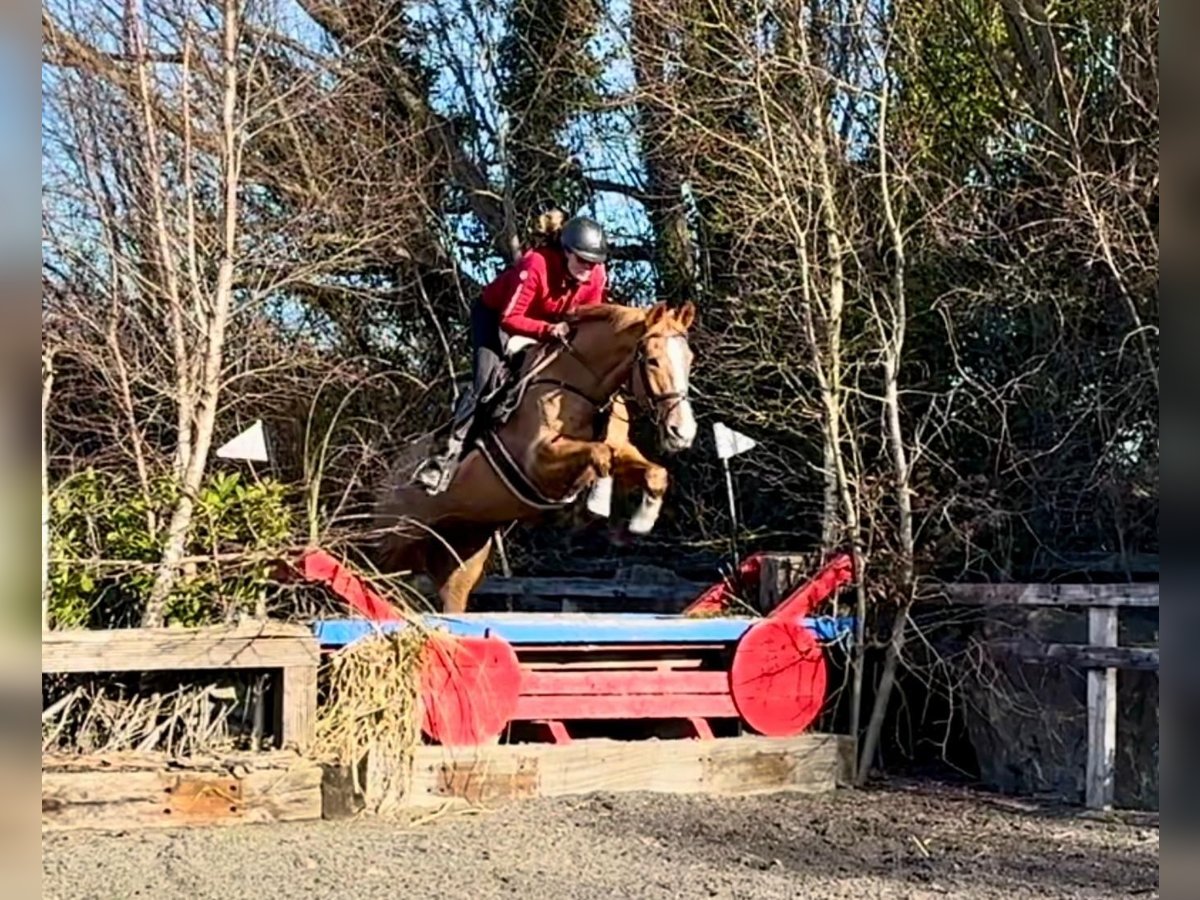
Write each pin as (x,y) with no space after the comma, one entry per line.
(549,450)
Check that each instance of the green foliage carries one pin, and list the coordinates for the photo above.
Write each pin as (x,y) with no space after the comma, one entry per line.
(107,535)
(549,76)
(951,99)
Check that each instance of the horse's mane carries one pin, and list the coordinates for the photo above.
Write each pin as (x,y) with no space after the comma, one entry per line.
(618,315)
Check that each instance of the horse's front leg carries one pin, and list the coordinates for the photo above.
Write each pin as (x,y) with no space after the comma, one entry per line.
(572,465)
(632,469)
(599,502)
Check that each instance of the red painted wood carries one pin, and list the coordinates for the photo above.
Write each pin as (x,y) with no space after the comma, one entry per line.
(777,680)
(703,730)
(597,682)
(801,602)
(469,688)
(667,706)
(617,649)
(716,598)
(319,566)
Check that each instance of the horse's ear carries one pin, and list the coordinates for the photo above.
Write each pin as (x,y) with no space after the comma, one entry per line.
(656,315)
(686,315)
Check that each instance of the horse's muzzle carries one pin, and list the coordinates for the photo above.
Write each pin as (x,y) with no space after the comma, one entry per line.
(678,432)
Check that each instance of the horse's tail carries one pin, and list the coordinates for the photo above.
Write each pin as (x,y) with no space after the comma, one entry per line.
(395,512)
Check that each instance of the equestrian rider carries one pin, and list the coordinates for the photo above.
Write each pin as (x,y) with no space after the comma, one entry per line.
(526,304)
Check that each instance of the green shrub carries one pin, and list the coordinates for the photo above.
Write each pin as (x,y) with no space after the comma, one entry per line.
(107,535)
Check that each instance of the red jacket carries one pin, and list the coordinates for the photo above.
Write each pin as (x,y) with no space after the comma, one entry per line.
(536,292)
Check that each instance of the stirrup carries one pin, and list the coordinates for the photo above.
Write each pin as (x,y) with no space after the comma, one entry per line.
(431,475)
(435,474)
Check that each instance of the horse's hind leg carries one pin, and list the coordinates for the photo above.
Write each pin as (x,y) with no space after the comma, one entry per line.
(455,580)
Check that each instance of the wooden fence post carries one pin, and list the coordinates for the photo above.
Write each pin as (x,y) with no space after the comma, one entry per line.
(1102,713)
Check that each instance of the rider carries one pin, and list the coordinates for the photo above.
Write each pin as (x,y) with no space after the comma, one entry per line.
(526,304)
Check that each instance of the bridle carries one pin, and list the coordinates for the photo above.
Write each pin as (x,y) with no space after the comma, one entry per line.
(646,398)
(653,402)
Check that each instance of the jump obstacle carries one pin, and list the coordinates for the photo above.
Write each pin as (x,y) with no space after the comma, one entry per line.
(484,672)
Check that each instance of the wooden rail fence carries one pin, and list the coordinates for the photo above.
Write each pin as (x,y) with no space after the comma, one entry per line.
(1101,656)
(780,574)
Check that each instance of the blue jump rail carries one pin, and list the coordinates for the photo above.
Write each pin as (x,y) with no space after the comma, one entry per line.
(580,628)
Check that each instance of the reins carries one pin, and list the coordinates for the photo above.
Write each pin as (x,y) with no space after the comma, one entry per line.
(650,401)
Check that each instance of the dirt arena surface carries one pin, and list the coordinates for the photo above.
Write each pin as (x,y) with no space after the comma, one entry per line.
(905,839)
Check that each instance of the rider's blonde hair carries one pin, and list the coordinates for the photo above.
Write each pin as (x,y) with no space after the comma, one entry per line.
(546,230)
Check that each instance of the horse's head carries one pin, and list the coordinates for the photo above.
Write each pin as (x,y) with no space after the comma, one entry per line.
(648,351)
(661,374)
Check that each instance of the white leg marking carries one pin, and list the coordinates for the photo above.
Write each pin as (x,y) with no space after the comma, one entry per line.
(646,516)
(600,498)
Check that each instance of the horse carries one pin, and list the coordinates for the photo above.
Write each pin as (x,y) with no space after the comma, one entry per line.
(568,431)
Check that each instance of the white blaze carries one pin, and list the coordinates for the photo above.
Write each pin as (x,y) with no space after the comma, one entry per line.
(677,355)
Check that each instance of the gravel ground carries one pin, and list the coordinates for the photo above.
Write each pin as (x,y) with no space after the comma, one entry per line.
(902,840)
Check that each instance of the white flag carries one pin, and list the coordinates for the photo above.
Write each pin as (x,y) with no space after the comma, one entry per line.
(251,444)
(730,442)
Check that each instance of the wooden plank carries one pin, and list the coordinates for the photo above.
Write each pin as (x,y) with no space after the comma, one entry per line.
(1067,595)
(531,651)
(724,766)
(593,628)
(121,799)
(559,629)
(254,645)
(1081,656)
(592,588)
(632,665)
(1102,714)
(296,707)
(779,575)
(730,768)
(153,761)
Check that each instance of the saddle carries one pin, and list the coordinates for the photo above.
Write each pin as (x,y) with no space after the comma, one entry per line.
(501,400)
(496,408)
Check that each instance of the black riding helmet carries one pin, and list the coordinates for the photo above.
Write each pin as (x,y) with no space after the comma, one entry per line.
(586,239)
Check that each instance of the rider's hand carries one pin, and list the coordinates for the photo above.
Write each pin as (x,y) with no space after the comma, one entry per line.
(560,330)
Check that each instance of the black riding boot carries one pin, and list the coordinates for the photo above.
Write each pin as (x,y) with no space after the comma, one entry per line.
(435,473)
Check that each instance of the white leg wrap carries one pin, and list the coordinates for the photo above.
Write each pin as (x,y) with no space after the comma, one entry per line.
(646,516)
(600,498)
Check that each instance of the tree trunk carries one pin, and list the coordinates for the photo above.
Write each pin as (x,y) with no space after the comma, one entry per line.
(47,391)
(211,350)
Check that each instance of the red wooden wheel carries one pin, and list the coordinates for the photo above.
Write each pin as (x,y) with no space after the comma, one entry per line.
(469,688)
(778,677)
